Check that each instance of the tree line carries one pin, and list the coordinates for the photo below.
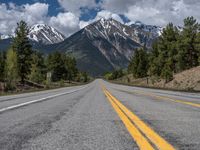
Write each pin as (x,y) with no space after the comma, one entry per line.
(21,63)
(174,51)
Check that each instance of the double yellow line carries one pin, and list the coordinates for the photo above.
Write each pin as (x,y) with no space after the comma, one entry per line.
(144,136)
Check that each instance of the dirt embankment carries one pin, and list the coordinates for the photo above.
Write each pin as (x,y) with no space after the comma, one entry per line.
(186,80)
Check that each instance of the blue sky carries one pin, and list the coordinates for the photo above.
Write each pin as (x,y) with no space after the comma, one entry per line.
(54,7)
(69,16)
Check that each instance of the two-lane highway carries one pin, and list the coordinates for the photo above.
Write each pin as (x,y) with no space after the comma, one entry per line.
(100,116)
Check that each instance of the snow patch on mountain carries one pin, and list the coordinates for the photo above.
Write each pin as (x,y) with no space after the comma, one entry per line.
(45,34)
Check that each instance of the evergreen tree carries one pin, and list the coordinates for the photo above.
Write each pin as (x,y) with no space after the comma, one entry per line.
(38,70)
(188,51)
(2,65)
(70,64)
(163,57)
(167,72)
(168,48)
(143,63)
(154,65)
(56,65)
(139,63)
(23,48)
(11,69)
(132,68)
(85,77)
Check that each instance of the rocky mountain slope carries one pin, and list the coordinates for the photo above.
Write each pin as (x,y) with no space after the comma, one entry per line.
(102,46)
(146,34)
(45,34)
(112,41)
(41,33)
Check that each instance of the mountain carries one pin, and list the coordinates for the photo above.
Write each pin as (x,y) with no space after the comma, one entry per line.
(146,34)
(41,33)
(45,34)
(102,46)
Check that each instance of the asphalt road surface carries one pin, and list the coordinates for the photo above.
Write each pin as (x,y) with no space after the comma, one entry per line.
(100,116)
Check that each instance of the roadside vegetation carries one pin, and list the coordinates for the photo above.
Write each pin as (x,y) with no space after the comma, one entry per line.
(22,68)
(174,52)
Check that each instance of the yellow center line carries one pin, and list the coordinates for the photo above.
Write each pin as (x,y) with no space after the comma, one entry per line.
(169,99)
(157,140)
(141,141)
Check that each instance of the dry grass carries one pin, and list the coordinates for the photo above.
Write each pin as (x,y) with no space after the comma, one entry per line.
(188,80)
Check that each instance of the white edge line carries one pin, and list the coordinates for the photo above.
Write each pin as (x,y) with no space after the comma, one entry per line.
(38,100)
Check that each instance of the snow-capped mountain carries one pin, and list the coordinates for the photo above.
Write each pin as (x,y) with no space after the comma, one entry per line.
(41,33)
(2,36)
(102,46)
(120,36)
(146,34)
(45,34)
(107,44)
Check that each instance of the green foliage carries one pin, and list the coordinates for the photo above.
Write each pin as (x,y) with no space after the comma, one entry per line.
(11,69)
(108,75)
(2,64)
(85,77)
(139,63)
(114,75)
(70,64)
(172,52)
(167,72)
(38,68)
(55,64)
(62,66)
(23,48)
(188,45)
(163,57)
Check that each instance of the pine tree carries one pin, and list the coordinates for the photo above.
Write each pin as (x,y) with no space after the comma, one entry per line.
(38,71)
(70,64)
(139,63)
(154,65)
(132,68)
(143,64)
(188,52)
(167,72)
(23,48)
(85,77)
(2,65)
(11,69)
(56,65)
(163,57)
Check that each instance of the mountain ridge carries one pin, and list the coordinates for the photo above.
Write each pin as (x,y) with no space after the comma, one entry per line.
(102,46)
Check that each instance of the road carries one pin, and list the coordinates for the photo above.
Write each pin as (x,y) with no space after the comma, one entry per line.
(100,116)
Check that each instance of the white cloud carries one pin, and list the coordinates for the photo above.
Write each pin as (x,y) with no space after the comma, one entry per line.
(75,5)
(83,24)
(102,14)
(107,14)
(11,14)
(156,12)
(67,23)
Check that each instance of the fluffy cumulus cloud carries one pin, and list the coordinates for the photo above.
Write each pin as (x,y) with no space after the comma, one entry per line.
(75,6)
(66,22)
(11,14)
(155,12)
(107,14)
(35,13)
(158,12)
(101,14)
